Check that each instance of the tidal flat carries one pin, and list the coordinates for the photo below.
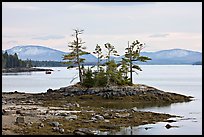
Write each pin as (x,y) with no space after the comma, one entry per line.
(74,110)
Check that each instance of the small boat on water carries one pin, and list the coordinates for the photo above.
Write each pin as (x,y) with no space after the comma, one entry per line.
(47,72)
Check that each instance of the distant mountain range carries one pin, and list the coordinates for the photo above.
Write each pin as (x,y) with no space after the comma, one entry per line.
(41,53)
(171,56)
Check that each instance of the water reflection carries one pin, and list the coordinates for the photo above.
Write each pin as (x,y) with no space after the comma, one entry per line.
(15,74)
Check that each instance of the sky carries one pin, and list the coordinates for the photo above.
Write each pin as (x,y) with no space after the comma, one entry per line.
(160,25)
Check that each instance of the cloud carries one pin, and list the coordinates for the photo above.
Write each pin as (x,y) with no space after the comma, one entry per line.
(159,35)
(22,6)
(48,37)
(12,42)
(119,3)
(156,24)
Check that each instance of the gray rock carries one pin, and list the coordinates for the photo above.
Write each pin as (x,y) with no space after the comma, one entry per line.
(41,125)
(97,117)
(134,109)
(18,111)
(55,129)
(8,112)
(49,90)
(55,124)
(106,120)
(20,120)
(71,117)
(28,102)
(3,111)
(62,114)
(4,102)
(83,131)
(61,130)
(125,115)
(108,116)
(77,105)
(93,119)
(67,94)
(144,122)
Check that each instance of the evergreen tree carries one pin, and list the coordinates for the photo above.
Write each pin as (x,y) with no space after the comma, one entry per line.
(73,58)
(98,52)
(124,69)
(109,64)
(12,61)
(16,60)
(4,59)
(133,54)
(88,80)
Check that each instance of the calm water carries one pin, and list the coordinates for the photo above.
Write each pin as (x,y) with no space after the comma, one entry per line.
(183,79)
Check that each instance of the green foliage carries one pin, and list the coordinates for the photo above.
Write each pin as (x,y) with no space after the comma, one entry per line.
(88,80)
(76,48)
(114,73)
(100,79)
(110,65)
(124,69)
(133,54)
(12,61)
(98,52)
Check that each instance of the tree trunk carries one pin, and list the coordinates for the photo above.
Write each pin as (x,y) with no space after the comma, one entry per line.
(131,72)
(130,51)
(78,63)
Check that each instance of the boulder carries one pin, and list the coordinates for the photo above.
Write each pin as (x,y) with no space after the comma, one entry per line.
(41,125)
(3,111)
(20,120)
(18,111)
(71,117)
(49,90)
(55,129)
(55,124)
(83,131)
(134,109)
(125,115)
(99,117)
(61,130)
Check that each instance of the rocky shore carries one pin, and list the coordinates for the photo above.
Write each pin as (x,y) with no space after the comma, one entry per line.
(14,70)
(75,110)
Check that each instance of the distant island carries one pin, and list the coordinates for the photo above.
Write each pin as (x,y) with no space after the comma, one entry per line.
(11,63)
(197,63)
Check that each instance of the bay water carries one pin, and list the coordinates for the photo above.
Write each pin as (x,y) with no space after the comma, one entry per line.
(182,79)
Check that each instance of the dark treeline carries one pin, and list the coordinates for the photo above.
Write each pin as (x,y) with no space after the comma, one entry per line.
(197,63)
(55,64)
(48,64)
(12,61)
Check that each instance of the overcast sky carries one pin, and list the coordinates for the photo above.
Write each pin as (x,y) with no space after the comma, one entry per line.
(161,25)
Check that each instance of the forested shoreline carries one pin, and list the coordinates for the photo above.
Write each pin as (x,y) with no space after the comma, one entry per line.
(12,61)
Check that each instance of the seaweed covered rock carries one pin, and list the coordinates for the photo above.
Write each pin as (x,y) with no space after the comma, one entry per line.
(143,92)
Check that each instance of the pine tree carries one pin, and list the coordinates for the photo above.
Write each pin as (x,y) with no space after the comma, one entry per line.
(109,64)
(73,58)
(98,52)
(133,54)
